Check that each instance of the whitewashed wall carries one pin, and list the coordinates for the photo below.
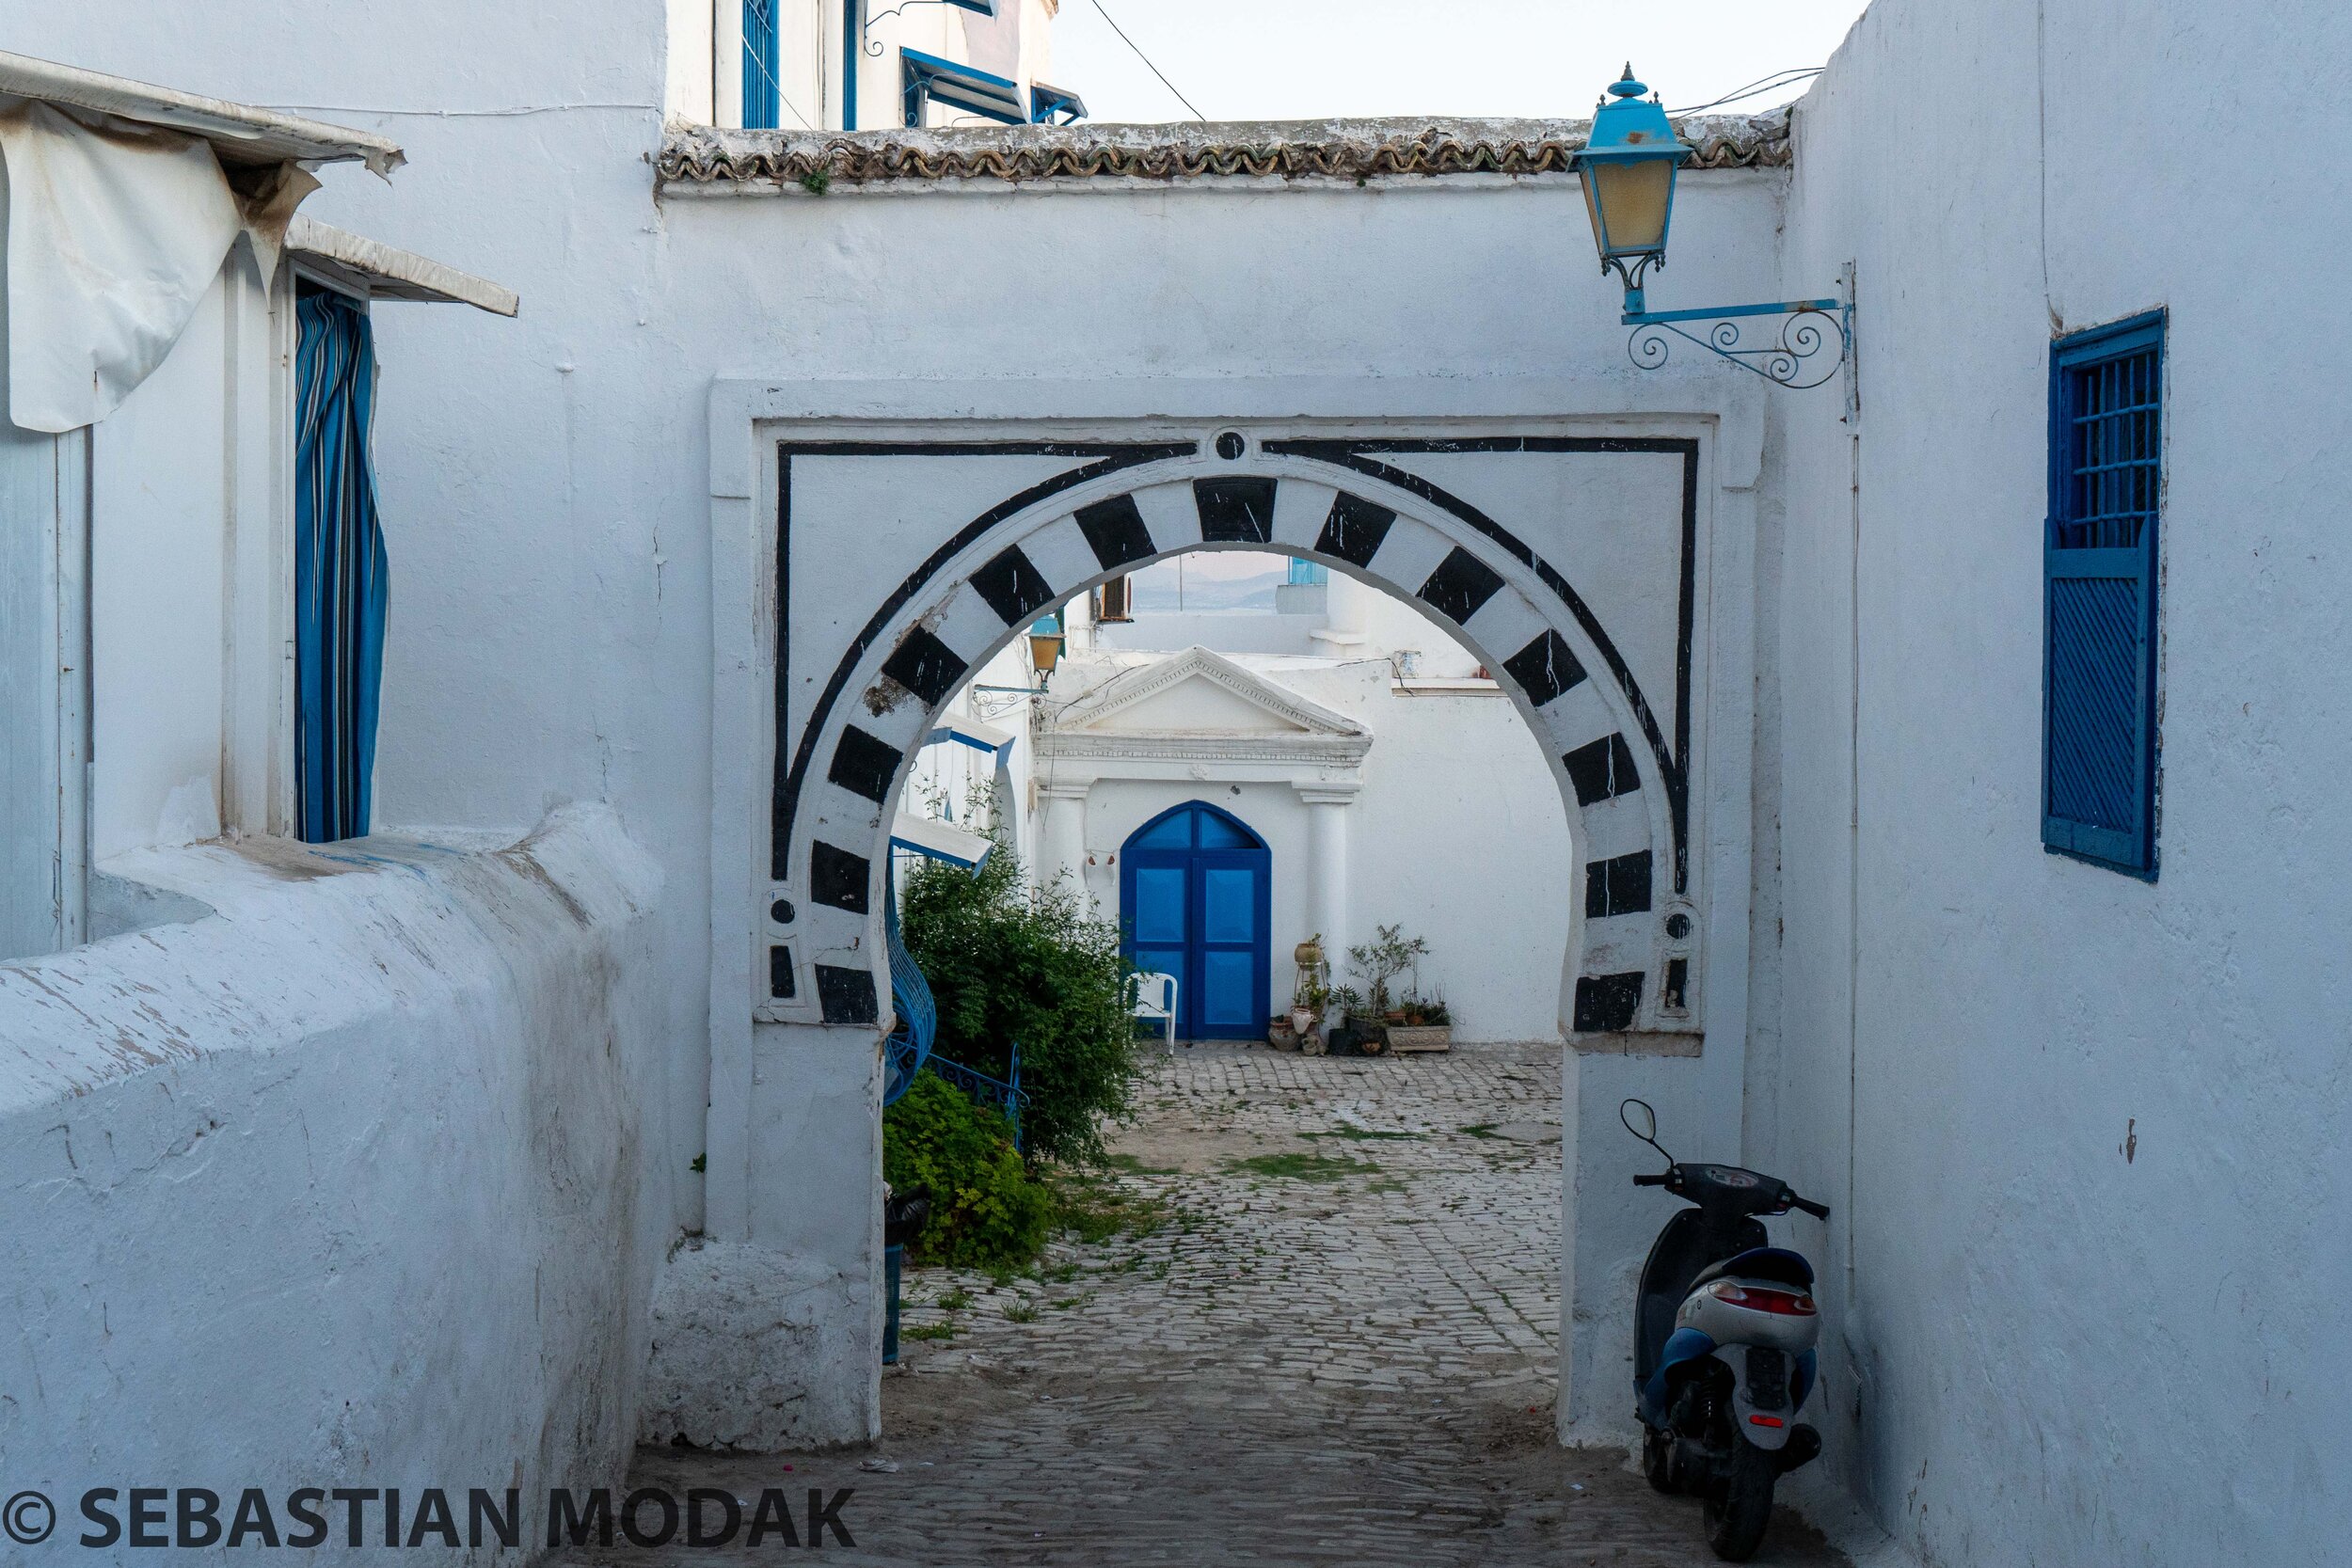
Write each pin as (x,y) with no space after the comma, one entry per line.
(380,1214)
(1460,836)
(192,583)
(2092,1209)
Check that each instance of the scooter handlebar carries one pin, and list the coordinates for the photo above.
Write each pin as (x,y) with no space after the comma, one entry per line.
(1658,1181)
(1818,1211)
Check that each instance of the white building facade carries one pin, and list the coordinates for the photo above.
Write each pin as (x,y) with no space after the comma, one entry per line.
(759,469)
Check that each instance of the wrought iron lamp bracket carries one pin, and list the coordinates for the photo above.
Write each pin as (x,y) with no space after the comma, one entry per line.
(1792,357)
(874,48)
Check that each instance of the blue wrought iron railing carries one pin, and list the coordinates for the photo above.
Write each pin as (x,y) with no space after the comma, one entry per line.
(985,1090)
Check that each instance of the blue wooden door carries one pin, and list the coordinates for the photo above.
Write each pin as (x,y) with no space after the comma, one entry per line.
(1195,887)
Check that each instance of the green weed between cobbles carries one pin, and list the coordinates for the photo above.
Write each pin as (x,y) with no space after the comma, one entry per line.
(1304,1167)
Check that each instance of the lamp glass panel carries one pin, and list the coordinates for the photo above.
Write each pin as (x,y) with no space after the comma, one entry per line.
(1592,210)
(1630,196)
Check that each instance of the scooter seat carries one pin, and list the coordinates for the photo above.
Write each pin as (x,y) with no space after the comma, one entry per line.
(1776,1264)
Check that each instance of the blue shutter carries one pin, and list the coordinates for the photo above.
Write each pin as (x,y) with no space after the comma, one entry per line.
(2099,565)
(762,99)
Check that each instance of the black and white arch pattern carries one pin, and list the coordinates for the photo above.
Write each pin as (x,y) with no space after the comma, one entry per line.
(835,787)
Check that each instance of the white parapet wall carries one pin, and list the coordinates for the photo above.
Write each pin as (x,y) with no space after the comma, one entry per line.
(342,1184)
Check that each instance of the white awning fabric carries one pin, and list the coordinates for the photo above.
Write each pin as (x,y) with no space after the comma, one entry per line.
(385,273)
(123,201)
(114,237)
(240,133)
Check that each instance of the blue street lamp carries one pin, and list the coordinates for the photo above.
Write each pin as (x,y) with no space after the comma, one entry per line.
(1628,168)
(1628,165)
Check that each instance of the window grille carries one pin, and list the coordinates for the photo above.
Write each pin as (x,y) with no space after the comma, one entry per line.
(762,96)
(2099,714)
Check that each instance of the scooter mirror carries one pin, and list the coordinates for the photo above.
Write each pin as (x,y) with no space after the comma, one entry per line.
(1639,1120)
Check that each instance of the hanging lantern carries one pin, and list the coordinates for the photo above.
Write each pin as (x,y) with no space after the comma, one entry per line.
(1045,645)
(1628,165)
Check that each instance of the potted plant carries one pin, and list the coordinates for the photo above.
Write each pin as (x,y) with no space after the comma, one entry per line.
(1307,1006)
(1338,1035)
(1379,962)
(1428,1025)
(1281,1034)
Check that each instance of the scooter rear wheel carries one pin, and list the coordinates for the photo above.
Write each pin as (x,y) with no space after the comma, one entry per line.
(1736,1515)
(1659,1465)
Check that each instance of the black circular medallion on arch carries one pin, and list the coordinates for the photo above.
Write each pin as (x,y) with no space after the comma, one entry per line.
(1229,446)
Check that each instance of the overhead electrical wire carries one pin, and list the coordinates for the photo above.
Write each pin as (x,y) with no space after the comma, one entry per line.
(1147,60)
(1761,84)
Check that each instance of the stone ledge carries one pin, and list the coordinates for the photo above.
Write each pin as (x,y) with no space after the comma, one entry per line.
(1316,152)
(1630,1043)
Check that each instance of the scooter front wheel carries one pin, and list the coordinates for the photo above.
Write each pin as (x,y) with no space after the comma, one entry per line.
(1659,1463)
(1736,1515)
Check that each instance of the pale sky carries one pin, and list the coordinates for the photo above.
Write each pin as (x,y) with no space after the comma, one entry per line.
(1298,59)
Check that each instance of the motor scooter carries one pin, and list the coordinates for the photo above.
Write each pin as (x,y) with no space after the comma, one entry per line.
(1723,1336)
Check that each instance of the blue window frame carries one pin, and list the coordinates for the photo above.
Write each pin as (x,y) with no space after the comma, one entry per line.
(927,78)
(762,98)
(1307,574)
(2098,604)
(852,48)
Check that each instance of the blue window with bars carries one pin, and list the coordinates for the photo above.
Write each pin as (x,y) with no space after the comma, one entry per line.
(1307,574)
(762,99)
(2099,614)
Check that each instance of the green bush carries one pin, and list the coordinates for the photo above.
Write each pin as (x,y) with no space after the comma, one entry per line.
(1009,962)
(986,1210)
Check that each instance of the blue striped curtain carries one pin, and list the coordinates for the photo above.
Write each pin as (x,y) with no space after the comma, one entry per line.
(339,570)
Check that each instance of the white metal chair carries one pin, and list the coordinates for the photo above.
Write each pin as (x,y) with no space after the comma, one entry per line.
(1153,994)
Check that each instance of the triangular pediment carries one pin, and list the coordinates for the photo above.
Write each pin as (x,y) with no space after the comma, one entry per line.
(1199,692)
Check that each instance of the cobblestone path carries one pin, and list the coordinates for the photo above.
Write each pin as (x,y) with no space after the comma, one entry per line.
(1340,1350)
